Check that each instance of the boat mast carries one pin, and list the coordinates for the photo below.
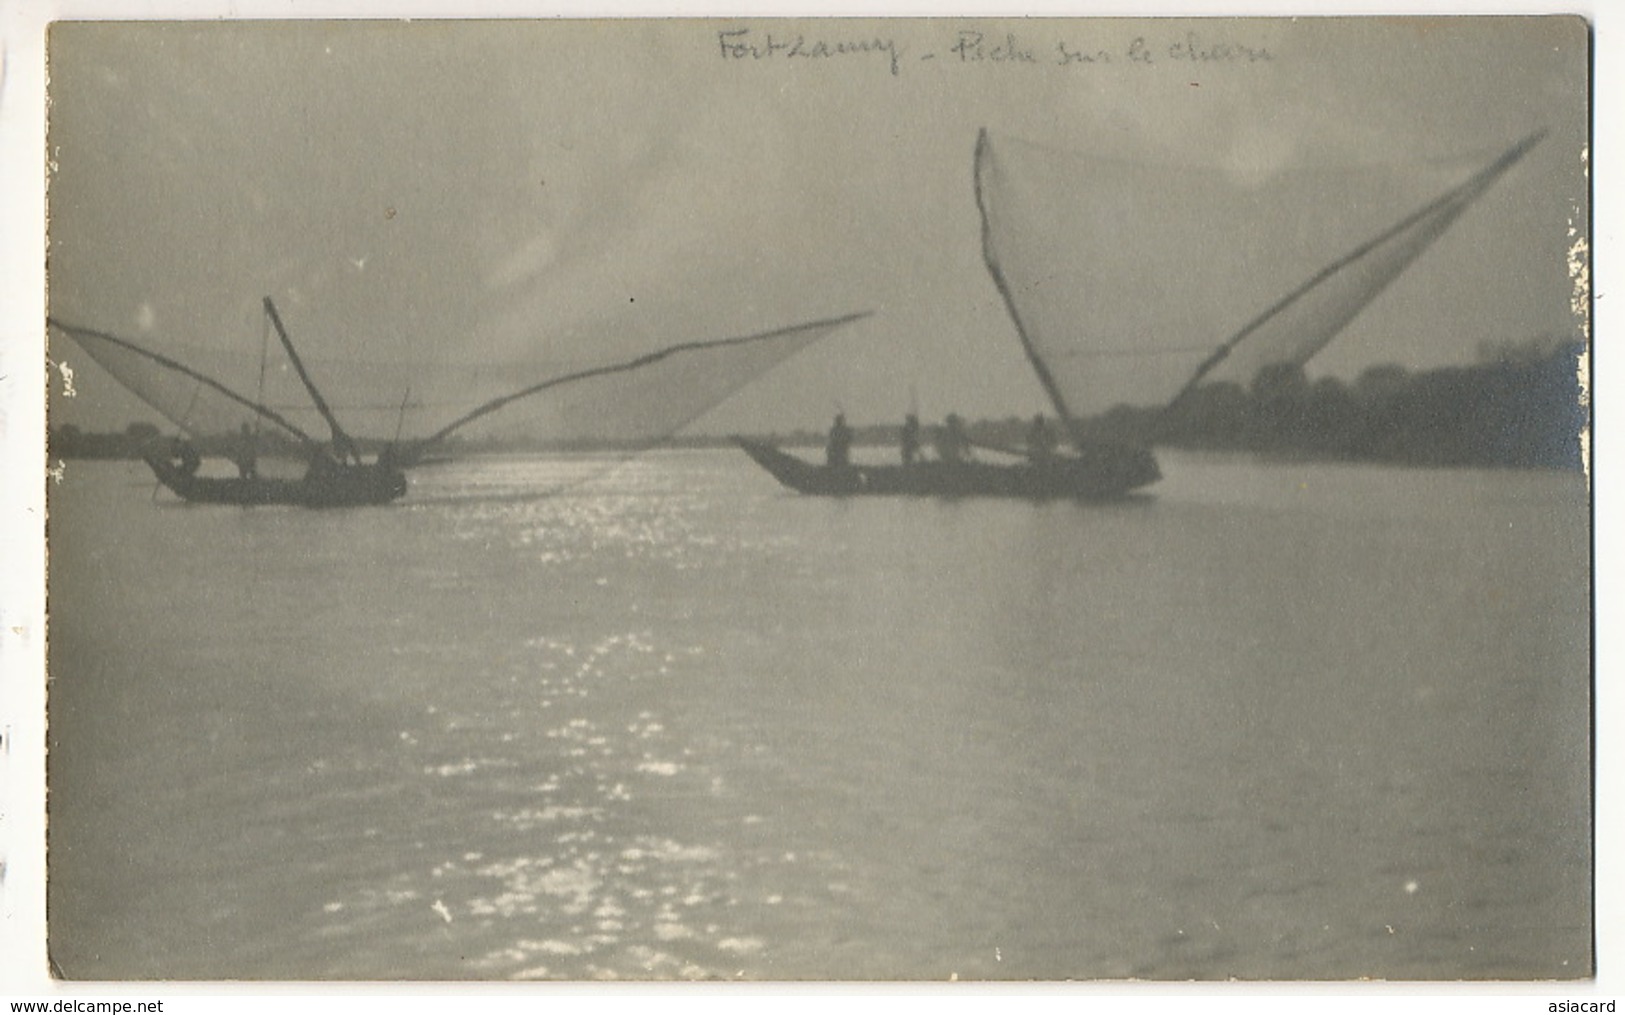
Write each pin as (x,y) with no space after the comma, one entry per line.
(341,440)
(265,349)
(400,418)
(983,156)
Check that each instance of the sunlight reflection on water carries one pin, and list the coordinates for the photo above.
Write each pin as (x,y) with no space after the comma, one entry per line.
(1280,720)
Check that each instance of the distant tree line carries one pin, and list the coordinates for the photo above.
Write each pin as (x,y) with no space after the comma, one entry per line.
(1521,408)
(135,440)
(69,441)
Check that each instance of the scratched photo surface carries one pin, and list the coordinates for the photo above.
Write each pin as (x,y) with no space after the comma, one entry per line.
(414,616)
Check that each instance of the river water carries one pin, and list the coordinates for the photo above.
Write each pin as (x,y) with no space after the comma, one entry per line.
(547,719)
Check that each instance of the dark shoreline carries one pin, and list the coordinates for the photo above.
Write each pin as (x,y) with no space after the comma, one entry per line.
(1524,411)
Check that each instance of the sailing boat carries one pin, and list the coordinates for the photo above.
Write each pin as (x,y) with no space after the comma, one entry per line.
(1053,295)
(336,475)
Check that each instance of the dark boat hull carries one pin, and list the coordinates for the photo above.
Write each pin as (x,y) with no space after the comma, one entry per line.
(1105,473)
(351,486)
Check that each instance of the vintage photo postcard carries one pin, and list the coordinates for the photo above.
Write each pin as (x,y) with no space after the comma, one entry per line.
(743,499)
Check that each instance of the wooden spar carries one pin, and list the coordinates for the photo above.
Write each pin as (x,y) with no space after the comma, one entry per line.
(1448,206)
(265,349)
(1047,379)
(341,440)
(413,450)
(633,364)
(400,418)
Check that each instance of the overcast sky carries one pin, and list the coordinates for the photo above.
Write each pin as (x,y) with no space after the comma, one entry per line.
(435,193)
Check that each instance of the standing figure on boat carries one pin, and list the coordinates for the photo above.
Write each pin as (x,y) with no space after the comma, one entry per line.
(952,443)
(910,438)
(246,458)
(838,452)
(1041,442)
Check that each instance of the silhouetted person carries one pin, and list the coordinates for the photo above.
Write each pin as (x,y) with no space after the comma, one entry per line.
(952,443)
(839,450)
(1040,441)
(323,466)
(911,438)
(189,458)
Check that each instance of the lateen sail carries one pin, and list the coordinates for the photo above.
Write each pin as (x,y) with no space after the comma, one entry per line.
(639,400)
(195,401)
(1306,319)
(649,397)
(1121,278)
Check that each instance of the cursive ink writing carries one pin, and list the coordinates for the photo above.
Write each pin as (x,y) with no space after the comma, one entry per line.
(972,47)
(747,44)
(1194,47)
(1070,55)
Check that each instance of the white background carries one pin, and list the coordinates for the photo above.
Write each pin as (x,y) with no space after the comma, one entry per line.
(23,970)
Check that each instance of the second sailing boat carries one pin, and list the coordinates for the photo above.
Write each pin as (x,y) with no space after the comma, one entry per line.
(1087,366)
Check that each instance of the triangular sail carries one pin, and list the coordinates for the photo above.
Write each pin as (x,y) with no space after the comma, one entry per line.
(632,402)
(650,397)
(1130,283)
(196,402)
(1303,322)
(995,267)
